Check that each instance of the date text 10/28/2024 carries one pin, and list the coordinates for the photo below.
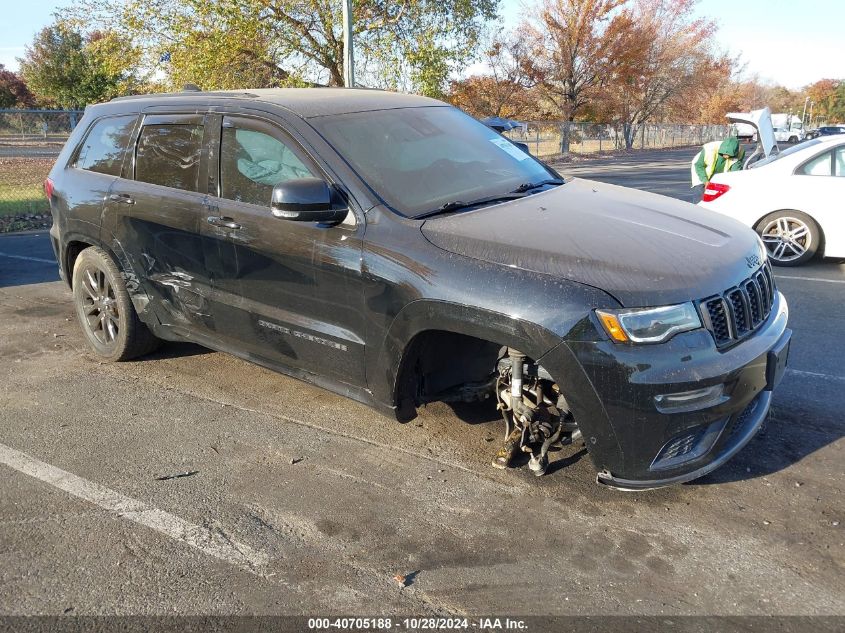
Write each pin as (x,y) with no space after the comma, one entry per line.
(417,624)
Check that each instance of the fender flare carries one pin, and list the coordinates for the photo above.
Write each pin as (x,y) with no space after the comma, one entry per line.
(429,314)
(140,299)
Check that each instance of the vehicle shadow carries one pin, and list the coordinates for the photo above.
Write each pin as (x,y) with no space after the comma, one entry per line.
(26,258)
(171,349)
(19,277)
(785,440)
(22,272)
(476,412)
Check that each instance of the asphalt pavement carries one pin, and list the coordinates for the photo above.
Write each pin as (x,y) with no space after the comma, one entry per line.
(664,171)
(291,499)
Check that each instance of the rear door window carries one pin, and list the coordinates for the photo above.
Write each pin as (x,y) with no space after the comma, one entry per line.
(254,157)
(839,162)
(105,145)
(169,155)
(818,166)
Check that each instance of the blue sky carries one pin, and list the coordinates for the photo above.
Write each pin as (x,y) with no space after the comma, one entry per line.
(788,42)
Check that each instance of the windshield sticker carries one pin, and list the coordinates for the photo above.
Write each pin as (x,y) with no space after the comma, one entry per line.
(506,146)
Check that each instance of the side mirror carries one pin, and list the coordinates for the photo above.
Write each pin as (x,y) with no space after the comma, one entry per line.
(307,200)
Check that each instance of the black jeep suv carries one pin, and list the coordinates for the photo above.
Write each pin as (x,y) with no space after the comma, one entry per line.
(392,249)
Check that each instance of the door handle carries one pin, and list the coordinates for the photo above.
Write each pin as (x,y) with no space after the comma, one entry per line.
(123,198)
(225,222)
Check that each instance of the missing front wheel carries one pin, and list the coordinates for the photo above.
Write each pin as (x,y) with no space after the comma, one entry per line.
(536,414)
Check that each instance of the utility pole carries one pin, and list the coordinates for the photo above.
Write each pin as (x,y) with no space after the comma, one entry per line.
(348,55)
(804,113)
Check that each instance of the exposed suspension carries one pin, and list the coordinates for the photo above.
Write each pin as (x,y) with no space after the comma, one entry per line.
(535,412)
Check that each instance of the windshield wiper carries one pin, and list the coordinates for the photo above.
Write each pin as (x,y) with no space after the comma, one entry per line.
(528,186)
(457,205)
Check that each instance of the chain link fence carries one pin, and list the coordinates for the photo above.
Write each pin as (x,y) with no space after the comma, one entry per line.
(30,140)
(546,138)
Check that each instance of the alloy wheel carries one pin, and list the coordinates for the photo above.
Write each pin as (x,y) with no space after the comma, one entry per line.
(99,306)
(786,238)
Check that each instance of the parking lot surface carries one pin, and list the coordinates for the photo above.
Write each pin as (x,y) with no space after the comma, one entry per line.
(296,501)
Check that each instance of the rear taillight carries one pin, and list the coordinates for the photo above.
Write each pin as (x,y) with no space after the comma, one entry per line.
(713,190)
(48,188)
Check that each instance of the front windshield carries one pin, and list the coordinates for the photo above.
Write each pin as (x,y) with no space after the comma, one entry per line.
(790,150)
(419,159)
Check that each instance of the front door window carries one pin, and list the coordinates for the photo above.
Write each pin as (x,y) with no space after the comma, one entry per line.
(253,161)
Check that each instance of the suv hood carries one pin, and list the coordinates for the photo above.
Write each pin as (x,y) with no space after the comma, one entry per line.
(642,248)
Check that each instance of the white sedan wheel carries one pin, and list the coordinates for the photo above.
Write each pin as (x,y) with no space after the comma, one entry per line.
(790,237)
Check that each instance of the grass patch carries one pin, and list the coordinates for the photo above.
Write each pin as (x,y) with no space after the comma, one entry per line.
(22,199)
(21,185)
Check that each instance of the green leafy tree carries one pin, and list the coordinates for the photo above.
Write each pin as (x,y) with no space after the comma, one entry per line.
(410,44)
(64,68)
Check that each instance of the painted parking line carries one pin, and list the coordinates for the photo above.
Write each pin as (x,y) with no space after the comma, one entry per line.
(211,542)
(829,281)
(813,374)
(40,260)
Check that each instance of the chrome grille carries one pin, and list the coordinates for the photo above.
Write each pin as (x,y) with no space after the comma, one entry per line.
(740,310)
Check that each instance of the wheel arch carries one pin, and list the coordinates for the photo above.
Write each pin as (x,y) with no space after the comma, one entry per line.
(75,243)
(461,327)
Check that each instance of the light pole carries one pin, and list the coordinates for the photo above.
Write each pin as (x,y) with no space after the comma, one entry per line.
(348,55)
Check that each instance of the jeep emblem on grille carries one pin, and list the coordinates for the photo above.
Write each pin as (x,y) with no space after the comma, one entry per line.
(753,260)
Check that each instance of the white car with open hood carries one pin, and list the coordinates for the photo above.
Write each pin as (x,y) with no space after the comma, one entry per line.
(792,198)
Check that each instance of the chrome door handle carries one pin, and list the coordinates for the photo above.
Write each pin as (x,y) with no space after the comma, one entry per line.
(225,222)
(123,198)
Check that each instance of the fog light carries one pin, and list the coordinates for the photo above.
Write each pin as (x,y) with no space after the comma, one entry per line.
(685,401)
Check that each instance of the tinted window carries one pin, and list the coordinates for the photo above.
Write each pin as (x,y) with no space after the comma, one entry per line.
(104,147)
(839,162)
(818,166)
(169,155)
(419,159)
(253,159)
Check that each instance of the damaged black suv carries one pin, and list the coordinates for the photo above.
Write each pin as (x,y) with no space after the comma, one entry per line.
(392,249)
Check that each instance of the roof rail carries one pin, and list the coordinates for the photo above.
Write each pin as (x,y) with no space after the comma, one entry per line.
(185,93)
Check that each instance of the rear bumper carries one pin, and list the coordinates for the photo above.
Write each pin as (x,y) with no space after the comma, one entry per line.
(55,242)
(615,392)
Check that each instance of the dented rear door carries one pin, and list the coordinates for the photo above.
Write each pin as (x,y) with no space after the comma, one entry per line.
(156,214)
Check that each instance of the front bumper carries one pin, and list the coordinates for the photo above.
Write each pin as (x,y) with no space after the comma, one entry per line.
(739,430)
(611,389)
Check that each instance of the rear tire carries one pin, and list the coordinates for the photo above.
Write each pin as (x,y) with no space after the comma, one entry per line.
(793,139)
(791,237)
(105,311)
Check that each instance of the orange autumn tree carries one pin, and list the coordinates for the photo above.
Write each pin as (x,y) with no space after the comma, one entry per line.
(828,97)
(506,89)
(572,43)
(661,57)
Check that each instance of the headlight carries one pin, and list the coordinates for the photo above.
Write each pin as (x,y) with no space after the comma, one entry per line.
(649,325)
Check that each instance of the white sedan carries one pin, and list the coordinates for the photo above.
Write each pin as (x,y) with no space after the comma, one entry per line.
(794,199)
